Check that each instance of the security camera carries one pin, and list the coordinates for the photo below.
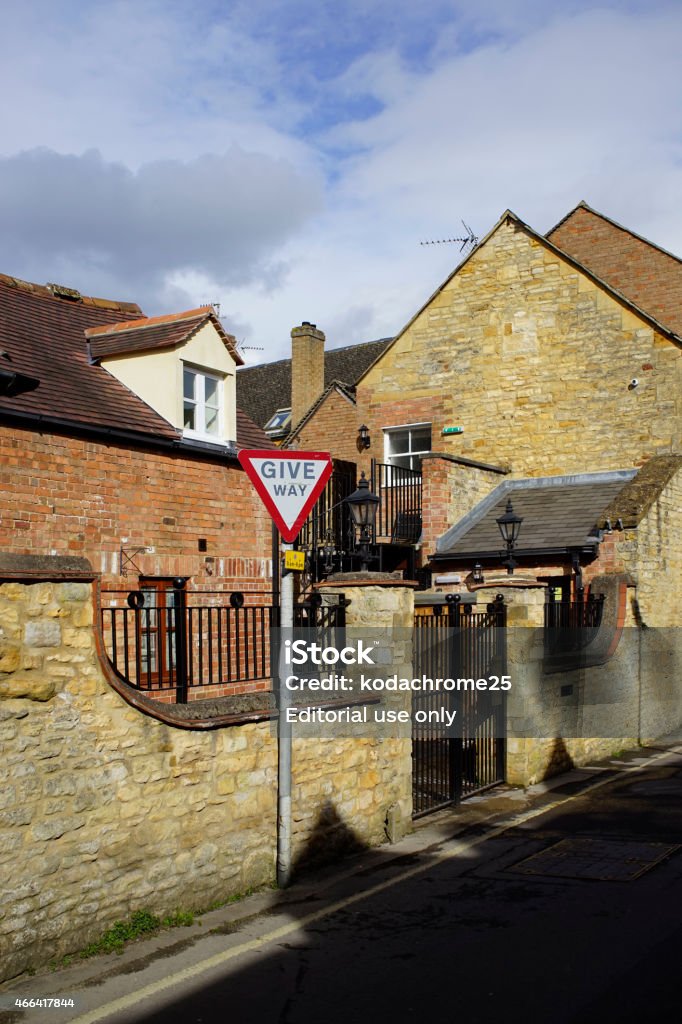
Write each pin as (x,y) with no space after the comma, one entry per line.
(634,383)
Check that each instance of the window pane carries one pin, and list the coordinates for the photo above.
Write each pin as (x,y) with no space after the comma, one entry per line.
(399,442)
(211,391)
(421,440)
(189,383)
(190,417)
(211,421)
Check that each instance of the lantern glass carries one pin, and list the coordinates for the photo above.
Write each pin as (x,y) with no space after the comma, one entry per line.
(510,525)
(363,505)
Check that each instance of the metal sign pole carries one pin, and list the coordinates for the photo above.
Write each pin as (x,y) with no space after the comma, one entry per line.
(284,735)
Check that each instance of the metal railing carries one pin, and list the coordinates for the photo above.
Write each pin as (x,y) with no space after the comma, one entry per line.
(172,642)
(328,535)
(456,640)
(175,645)
(572,625)
(399,517)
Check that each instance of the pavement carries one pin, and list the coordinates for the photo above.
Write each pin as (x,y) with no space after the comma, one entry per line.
(514,896)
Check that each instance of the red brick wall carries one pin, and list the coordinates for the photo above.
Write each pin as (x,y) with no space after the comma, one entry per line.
(61,495)
(400,410)
(333,428)
(648,277)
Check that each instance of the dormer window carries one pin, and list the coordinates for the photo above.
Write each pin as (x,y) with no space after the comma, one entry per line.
(201,404)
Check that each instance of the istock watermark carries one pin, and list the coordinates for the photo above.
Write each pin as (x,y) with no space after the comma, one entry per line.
(525,683)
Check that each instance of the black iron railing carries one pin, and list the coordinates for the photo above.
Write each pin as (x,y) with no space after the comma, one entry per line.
(581,614)
(175,644)
(399,517)
(458,641)
(572,625)
(170,642)
(328,536)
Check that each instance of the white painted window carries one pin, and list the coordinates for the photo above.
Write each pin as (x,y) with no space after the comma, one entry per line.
(202,404)
(405,445)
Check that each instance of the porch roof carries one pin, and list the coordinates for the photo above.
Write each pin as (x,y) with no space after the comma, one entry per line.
(559,513)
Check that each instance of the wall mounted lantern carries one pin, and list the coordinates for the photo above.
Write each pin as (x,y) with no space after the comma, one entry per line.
(363,505)
(477,575)
(363,439)
(510,526)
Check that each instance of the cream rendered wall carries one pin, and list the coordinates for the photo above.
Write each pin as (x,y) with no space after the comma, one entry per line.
(156,376)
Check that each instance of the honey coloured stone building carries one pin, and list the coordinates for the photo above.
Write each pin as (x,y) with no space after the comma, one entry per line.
(544,371)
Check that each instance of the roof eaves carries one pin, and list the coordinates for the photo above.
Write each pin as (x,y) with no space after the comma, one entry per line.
(461,528)
(588,548)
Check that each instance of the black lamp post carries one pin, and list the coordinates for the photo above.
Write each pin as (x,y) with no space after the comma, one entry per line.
(510,525)
(363,507)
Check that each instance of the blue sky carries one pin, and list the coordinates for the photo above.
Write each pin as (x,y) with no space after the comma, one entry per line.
(286,159)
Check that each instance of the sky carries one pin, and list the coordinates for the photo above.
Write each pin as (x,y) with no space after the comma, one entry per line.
(286,158)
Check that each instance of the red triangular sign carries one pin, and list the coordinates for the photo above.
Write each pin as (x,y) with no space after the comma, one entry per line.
(289,484)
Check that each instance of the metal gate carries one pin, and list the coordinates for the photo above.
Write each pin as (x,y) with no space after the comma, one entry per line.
(465,646)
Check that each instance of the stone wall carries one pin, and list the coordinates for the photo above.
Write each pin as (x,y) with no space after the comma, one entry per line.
(627,688)
(105,810)
(533,359)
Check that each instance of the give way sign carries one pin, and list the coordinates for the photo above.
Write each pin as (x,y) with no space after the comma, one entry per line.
(289,484)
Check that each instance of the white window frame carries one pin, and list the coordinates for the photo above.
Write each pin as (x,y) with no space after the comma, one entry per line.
(200,377)
(411,452)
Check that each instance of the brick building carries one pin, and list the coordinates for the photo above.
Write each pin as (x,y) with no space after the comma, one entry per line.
(119,436)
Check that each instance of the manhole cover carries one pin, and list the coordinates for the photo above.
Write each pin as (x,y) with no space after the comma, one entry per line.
(607,860)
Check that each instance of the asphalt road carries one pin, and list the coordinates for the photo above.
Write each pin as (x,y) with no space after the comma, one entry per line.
(571,913)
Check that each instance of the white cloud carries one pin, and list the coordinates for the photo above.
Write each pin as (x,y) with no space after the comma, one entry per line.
(132,234)
(286,159)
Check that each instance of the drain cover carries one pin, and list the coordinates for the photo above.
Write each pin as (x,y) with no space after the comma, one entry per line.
(607,860)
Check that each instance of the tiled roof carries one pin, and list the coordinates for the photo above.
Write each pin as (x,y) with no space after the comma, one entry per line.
(147,333)
(249,435)
(42,339)
(558,513)
(262,390)
(645,274)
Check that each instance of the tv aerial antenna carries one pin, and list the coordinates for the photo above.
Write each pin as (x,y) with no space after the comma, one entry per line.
(466,243)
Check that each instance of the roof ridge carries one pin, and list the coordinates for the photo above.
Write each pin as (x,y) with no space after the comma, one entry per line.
(149,321)
(583,205)
(42,291)
(327,352)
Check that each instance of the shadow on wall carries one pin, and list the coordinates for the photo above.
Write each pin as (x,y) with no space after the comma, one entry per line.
(329,839)
(559,759)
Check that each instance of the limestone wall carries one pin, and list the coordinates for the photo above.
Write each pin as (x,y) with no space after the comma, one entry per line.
(533,360)
(104,810)
(556,720)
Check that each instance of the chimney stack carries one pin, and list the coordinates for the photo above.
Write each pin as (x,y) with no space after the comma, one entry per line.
(307,369)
